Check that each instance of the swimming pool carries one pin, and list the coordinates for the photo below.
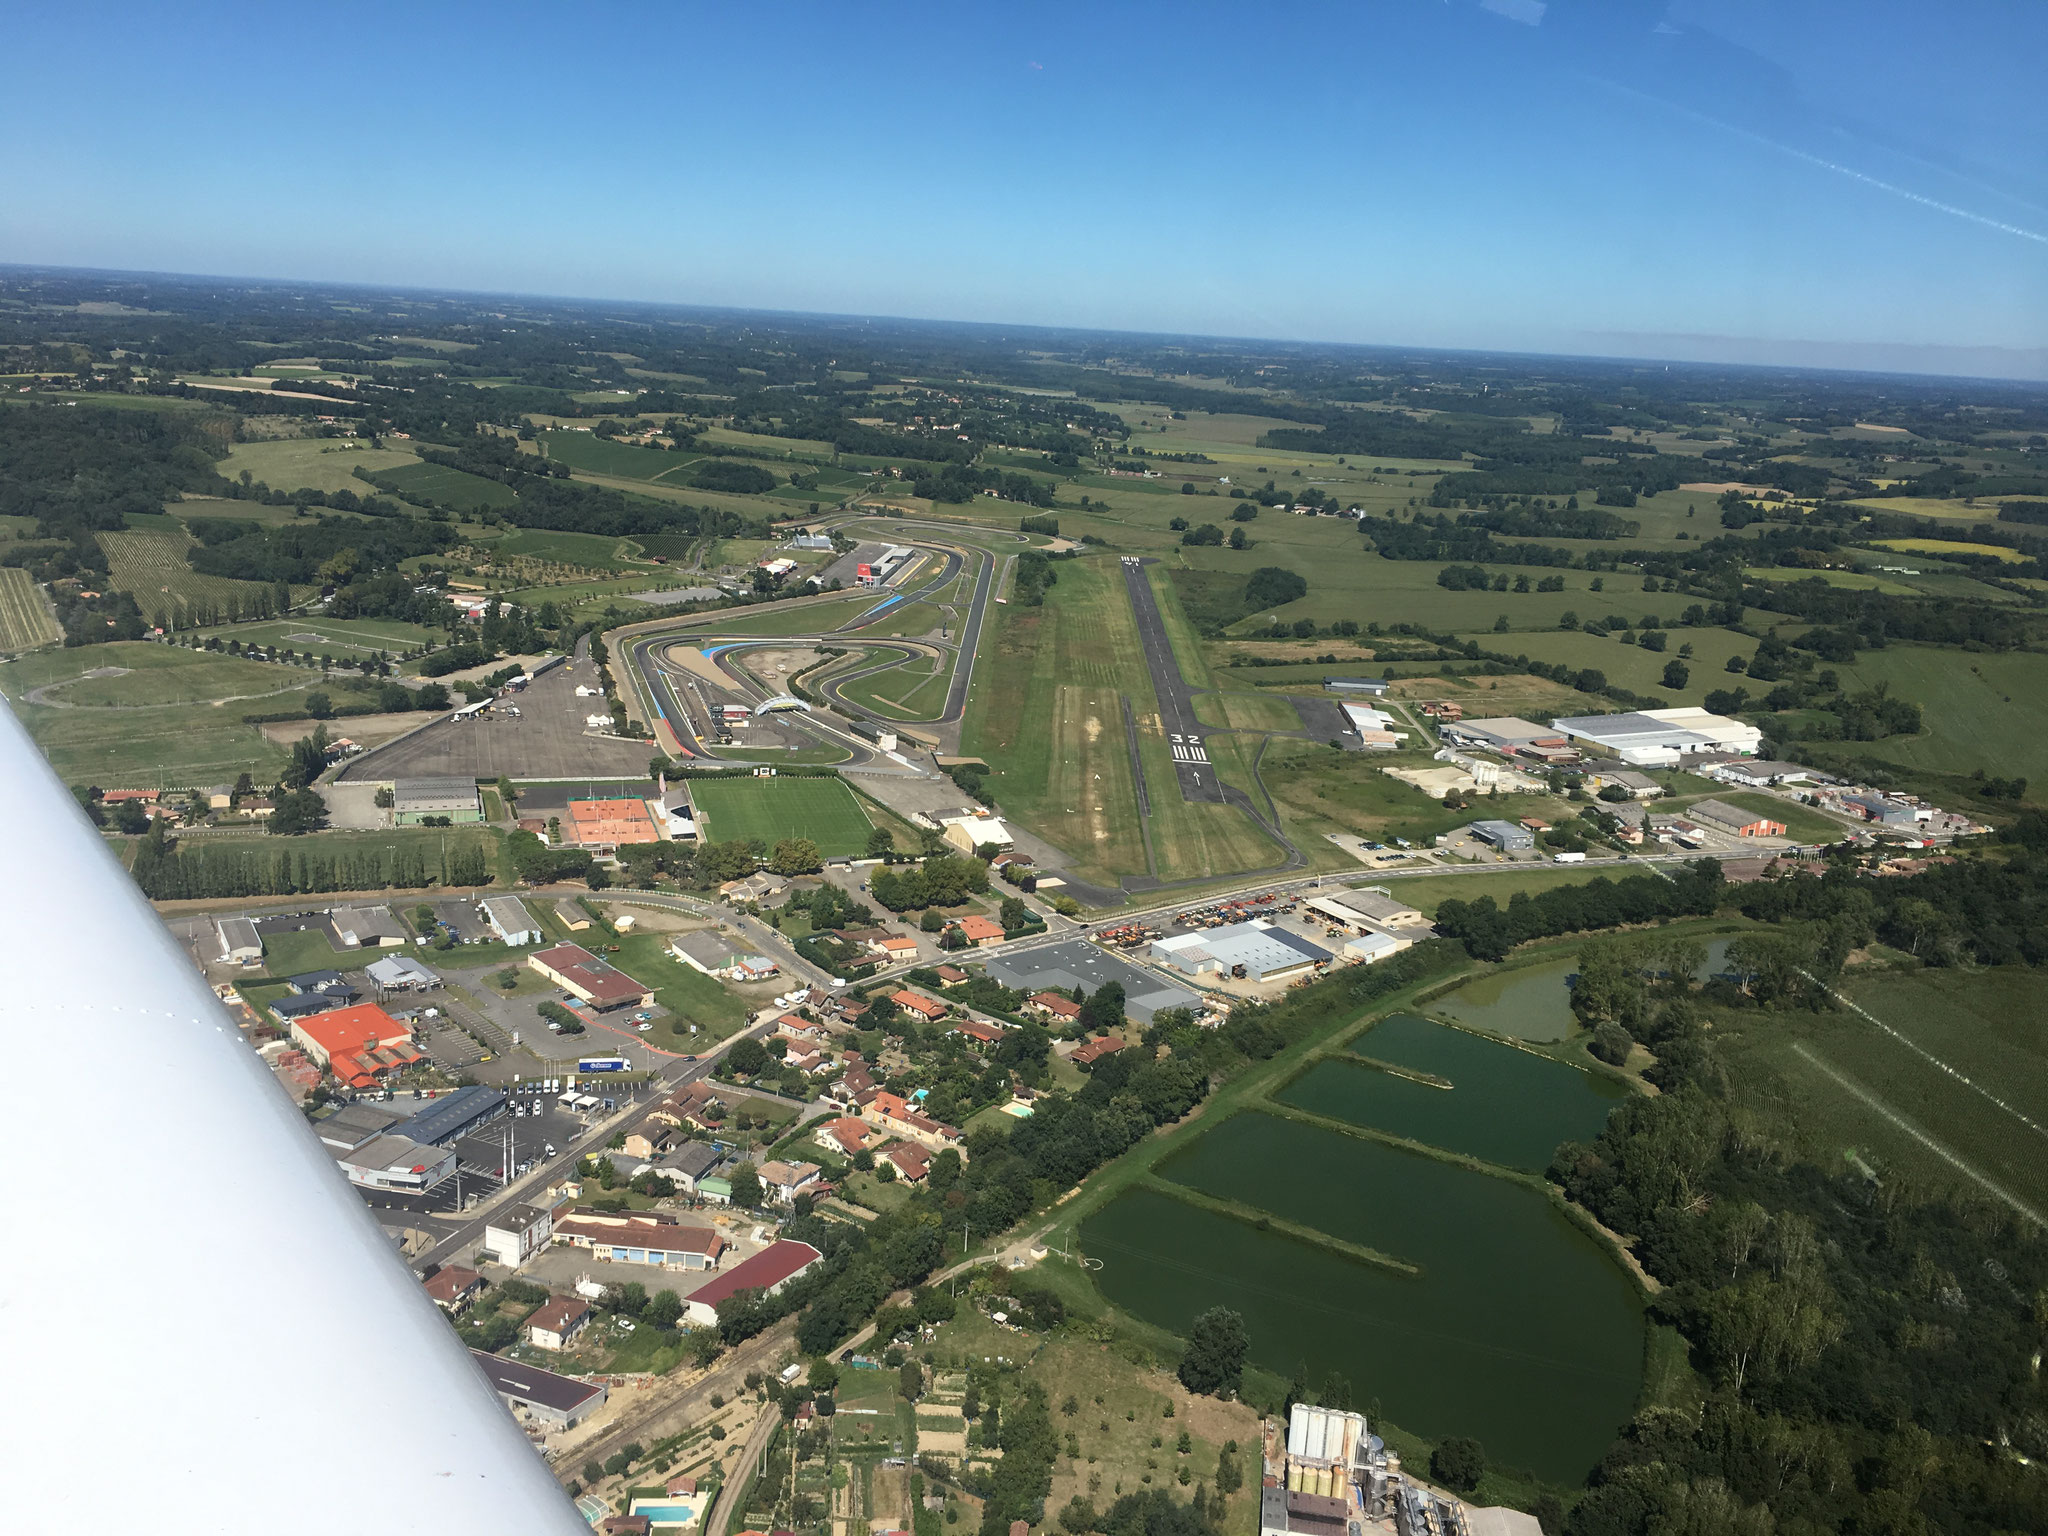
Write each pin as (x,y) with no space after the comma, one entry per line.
(670,1512)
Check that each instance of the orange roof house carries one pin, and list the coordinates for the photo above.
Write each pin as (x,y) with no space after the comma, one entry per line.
(917,1003)
(981,932)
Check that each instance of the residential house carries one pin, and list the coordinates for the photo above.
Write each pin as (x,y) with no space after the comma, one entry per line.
(845,1135)
(785,1181)
(980,932)
(650,1138)
(983,1035)
(513,1236)
(893,1113)
(1091,1051)
(453,1287)
(688,1163)
(930,1009)
(950,975)
(1054,1005)
(911,1161)
(558,1322)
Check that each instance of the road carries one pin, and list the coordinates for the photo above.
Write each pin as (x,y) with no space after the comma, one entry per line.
(718,1519)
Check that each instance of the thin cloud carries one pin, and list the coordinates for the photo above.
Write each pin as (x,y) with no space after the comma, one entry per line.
(1969,215)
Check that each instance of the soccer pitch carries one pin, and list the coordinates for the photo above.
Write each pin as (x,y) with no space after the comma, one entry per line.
(824,810)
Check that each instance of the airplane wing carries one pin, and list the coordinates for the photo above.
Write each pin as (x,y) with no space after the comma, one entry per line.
(203,1328)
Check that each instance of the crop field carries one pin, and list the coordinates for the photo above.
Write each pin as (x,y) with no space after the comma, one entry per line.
(430,483)
(1859,581)
(1945,1080)
(824,810)
(1949,509)
(25,620)
(152,566)
(600,455)
(1952,547)
(315,463)
(1987,711)
(564,548)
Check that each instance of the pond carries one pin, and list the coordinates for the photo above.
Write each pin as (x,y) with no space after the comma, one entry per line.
(1520,1330)
(1506,1105)
(1533,1002)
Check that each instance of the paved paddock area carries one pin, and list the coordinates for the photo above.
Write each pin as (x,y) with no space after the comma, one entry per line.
(547,739)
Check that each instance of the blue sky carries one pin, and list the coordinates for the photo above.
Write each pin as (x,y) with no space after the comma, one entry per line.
(1853,184)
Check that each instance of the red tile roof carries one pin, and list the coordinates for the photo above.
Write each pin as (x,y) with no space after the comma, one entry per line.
(1058,1004)
(978,928)
(765,1270)
(1087,1055)
(917,1002)
(584,972)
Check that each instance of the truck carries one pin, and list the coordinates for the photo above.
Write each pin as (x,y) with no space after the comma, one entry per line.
(603,1064)
(1567,858)
(790,1373)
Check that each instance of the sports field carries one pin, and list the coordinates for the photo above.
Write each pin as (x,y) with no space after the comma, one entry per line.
(824,810)
(25,621)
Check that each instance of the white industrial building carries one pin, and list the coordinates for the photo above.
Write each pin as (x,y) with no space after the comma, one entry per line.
(510,920)
(240,943)
(1375,727)
(1255,951)
(397,1162)
(968,833)
(400,973)
(1662,738)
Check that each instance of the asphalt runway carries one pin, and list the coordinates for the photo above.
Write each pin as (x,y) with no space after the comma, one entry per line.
(1199,782)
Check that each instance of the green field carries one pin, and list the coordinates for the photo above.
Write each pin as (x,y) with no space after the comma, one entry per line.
(1801,822)
(564,548)
(600,455)
(1631,666)
(824,810)
(25,619)
(1987,710)
(1842,1085)
(163,722)
(1247,711)
(152,565)
(316,463)
(431,483)
(338,637)
(915,690)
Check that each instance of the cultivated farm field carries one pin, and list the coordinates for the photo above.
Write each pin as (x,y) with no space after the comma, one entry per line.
(152,566)
(25,619)
(316,463)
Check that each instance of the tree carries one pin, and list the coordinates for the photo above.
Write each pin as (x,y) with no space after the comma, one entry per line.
(319,705)
(747,1056)
(1458,1463)
(664,1311)
(796,856)
(880,843)
(131,818)
(910,1380)
(1213,1362)
(746,1187)
(1676,674)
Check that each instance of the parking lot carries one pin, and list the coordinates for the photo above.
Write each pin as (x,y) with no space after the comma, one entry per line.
(547,739)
